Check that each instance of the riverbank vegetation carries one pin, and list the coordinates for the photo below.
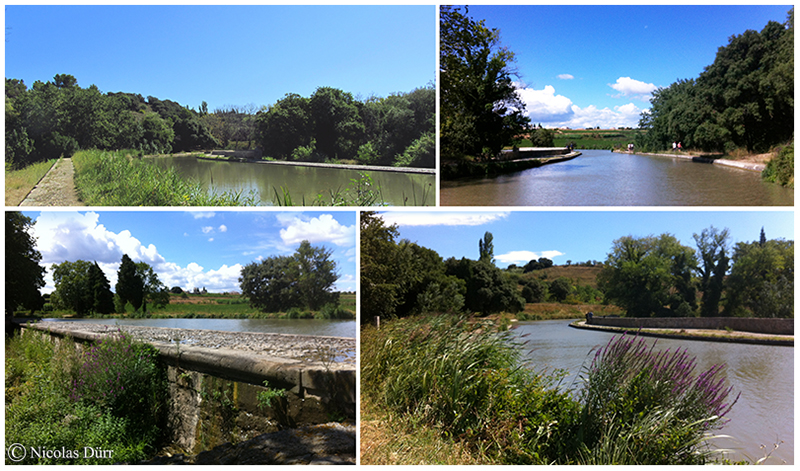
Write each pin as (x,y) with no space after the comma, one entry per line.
(480,110)
(744,99)
(98,405)
(459,383)
(124,179)
(333,126)
(641,277)
(58,118)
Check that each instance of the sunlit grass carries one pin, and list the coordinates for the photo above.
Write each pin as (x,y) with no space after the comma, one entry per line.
(20,182)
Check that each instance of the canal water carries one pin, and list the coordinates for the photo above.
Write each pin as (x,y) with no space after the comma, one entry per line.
(321,327)
(763,374)
(604,178)
(396,188)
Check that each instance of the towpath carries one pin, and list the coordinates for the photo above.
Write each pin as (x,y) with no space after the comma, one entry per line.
(56,188)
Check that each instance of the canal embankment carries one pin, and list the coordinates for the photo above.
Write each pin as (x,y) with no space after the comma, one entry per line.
(218,382)
(253,157)
(779,332)
(509,160)
(751,166)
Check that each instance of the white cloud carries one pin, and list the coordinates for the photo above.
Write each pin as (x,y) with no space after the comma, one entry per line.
(441,219)
(628,87)
(223,228)
(565,76)
(556,111)
(544,105)
(226,278)
(203,215)
(67,236)
(207,229)
(525,256)
(319,229)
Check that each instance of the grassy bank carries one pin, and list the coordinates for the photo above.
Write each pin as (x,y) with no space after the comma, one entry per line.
(121,179)
(227,306)
(99,405)
(455,389)
(20,182)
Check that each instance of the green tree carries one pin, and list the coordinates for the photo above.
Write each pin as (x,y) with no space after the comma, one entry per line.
(382,271)
(560,289)
(101,296)
(303,279)
(712,246)
(486,248)
(488,289)
(317,274)
(336,122)
(761,282)
(480,109)
(74,286)
(285,126)
(130,285)
(153,289)
(24,275)
(649,275)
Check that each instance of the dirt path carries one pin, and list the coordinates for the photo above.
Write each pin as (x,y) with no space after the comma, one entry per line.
(57,188)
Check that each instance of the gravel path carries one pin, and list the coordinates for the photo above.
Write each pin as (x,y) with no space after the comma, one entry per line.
(300,347)
(56,188)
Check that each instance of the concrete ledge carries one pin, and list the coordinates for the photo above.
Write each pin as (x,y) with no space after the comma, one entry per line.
(724,162)
(742,324)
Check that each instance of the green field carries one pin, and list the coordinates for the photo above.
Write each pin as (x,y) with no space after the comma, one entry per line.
(220,306)
(592,138)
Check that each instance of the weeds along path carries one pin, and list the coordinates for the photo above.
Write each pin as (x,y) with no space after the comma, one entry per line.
(56,188)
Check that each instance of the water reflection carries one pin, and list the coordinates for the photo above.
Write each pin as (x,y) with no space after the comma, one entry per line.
(603,178)
(303,183)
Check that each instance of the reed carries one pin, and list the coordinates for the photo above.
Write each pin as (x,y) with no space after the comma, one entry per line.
(119,179)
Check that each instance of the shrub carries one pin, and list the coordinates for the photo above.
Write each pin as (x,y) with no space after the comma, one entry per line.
(46,409)
(629,384)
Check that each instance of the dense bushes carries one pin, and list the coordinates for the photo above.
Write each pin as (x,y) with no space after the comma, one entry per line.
(332,125)
(106,397)
(465,378)
(781,168)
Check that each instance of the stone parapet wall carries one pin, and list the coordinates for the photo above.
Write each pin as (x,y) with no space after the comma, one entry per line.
(761,326)
(217,395)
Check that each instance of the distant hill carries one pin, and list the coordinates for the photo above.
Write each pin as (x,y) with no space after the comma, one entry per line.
(581,275)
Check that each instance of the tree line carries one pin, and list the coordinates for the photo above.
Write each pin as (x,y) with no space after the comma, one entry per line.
(745,99)
(58,117)
(401,278)
(304,279)
(646,276)
(658,276)
(397,130)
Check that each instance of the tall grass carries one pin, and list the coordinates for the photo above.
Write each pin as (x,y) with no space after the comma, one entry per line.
(120,179)
(466,379)
(361,191)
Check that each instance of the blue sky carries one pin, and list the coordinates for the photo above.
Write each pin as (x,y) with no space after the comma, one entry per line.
(192,248)
(225,55)
(596,65)
(521,236)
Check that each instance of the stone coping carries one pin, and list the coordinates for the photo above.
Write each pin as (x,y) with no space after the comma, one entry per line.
(230,363)
(693,334)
